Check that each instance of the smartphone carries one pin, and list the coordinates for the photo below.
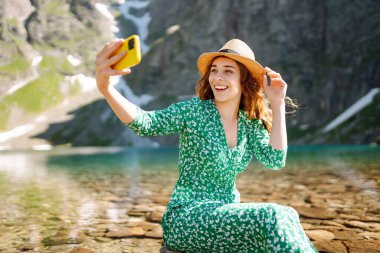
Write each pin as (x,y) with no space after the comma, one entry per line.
(133,55)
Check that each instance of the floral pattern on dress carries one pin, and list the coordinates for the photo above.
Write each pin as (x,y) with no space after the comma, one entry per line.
(204,213)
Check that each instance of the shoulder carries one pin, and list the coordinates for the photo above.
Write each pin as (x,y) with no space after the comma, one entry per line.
(192,103)
(187,107)
(192,100)
(254,124)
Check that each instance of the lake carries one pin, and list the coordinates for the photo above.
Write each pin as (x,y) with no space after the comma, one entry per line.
(112,199)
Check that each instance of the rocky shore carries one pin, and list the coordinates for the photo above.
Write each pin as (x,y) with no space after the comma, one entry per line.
(339,210)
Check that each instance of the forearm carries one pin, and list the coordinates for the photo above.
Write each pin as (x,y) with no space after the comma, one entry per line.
(124,109)
(278,138)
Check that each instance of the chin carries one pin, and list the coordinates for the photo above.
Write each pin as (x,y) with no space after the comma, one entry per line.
(223,98)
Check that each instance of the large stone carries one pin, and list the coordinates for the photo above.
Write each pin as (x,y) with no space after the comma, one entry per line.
(319,235)
(63,237)
(315,213)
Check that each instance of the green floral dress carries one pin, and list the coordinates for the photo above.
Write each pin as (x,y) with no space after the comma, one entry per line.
(204,212)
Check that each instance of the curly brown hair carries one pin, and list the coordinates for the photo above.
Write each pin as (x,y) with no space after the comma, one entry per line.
(253,100)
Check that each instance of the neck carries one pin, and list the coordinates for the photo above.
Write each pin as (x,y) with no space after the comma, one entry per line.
(228,110)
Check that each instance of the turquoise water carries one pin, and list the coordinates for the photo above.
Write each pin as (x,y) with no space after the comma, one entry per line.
(42,192)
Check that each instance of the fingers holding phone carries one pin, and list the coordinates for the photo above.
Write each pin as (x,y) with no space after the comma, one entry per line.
(132,57)
(107,57)
(116,58)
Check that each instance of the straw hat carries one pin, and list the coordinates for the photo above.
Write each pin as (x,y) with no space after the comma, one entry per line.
(238,51)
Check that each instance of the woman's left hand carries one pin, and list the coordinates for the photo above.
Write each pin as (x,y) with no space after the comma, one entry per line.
(277,90)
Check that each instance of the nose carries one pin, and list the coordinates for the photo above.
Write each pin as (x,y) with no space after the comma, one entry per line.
(218,77)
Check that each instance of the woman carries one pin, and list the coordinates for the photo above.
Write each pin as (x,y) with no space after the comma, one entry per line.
(220,130)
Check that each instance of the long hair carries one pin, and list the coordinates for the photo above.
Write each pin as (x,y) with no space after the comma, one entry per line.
(253,100)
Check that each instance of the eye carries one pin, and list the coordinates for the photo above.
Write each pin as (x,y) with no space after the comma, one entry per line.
(229,71)
(213,70)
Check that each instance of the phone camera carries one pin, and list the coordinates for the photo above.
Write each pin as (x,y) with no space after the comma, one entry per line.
(131,44)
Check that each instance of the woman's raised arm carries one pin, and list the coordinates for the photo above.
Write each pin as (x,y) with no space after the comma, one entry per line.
(124,109)
(276,94)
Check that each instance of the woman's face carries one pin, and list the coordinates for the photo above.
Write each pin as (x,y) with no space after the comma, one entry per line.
(225,79)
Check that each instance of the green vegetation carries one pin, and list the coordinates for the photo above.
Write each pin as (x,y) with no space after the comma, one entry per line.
(12,22)
(56,8)
(44,92)
(61,65)
(41,93)
(38,95)
(17,66)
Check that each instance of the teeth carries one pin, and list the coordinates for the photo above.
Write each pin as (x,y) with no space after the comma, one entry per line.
(220,87)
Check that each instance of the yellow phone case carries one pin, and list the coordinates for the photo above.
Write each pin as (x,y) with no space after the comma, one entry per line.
(133,56)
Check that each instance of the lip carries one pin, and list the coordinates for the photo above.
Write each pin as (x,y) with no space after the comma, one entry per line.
(220,86)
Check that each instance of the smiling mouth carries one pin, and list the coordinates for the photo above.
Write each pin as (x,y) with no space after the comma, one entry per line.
(220,87)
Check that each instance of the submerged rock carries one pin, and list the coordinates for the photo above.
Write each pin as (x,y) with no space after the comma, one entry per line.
(64,238)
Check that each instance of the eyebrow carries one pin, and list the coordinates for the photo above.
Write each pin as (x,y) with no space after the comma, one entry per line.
(226,66)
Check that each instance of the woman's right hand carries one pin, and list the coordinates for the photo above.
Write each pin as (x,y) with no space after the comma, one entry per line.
(104,60)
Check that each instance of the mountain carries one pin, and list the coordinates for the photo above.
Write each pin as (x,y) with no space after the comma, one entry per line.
(47,61)
(327,52)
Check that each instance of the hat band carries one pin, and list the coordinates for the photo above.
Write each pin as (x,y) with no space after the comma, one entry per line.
(228,51)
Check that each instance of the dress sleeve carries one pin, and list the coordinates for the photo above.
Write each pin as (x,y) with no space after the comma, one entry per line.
(272,158)
(159,122)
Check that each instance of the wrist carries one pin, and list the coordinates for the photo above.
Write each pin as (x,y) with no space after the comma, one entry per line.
(105,91)
(277,103)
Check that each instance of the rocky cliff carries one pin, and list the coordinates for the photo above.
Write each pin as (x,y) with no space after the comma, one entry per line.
(47,49)
(327,51)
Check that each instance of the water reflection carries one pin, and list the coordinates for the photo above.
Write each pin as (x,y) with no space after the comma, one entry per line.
(57,198)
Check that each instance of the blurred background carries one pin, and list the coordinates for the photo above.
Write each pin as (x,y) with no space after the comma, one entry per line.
(327,51)
(74,179)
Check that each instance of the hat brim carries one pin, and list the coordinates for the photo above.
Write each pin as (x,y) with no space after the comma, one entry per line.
(256,70)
